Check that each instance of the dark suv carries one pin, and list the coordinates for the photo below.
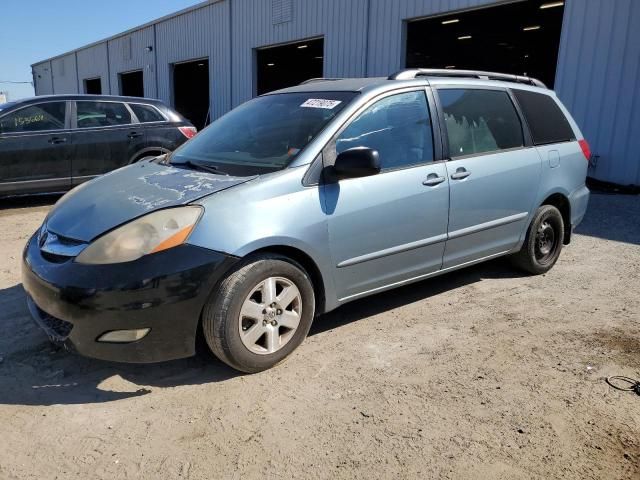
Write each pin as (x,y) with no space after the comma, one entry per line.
(53,143)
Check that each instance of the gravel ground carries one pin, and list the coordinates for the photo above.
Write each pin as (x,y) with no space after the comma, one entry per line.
(482,373)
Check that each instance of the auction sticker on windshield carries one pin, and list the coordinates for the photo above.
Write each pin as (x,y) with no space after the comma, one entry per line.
(321,103)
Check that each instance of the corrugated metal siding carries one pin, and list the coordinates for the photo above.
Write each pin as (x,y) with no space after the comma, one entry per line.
(598,80)
(129,53)
(92,63)
(193,35)
(42,82)
(65,75)
(598,74)
(343,24)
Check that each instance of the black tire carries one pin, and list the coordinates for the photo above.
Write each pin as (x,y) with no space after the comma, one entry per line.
(221,314)
(144,158)
(543,243)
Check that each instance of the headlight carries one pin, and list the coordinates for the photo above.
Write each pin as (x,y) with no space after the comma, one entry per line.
(152,233)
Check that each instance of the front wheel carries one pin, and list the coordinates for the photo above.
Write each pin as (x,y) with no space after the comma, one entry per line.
(260,313)
(543,242)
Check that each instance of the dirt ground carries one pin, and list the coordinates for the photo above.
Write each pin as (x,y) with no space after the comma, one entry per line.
(482,373)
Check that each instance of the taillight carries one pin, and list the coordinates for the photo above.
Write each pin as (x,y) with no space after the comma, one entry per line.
(586,150)
(188,132)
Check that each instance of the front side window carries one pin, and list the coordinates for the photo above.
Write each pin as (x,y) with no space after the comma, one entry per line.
(398,127)
(263,135)
(146,113)
(42,117)
(102,114)
(479,121)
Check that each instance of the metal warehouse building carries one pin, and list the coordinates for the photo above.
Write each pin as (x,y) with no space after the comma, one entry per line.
(207,59)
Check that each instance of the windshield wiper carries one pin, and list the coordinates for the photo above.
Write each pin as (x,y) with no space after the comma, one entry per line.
(202,166)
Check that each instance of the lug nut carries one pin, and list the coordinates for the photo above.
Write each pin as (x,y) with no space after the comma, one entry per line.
(274,323)
(279,312)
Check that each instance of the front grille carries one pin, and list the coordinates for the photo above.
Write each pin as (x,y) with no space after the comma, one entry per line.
(59,330)
(57,248)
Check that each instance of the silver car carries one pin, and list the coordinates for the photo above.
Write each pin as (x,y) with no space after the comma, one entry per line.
(301,200)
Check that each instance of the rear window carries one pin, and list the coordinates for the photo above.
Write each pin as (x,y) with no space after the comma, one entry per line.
(102,114)
(546,121)
(146,113)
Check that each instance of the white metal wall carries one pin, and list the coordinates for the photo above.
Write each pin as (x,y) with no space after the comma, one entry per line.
(64,73)
(130,52)
(597,77)
(343,24)
(92,63)
(201,33)
(42,81)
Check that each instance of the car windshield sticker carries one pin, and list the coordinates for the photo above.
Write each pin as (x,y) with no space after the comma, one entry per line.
(320,103)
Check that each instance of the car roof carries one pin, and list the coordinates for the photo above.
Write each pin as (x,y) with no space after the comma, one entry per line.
(334,85)
(76,96)
(381,83)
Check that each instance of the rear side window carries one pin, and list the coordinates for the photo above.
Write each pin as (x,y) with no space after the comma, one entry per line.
(45,116)
(398,127)
(146,113)
(544,117)
(480,121)
(102,114)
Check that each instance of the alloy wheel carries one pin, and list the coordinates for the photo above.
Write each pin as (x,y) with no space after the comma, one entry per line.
(270,315)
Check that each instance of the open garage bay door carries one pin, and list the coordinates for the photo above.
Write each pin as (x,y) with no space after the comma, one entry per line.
(93,86)
(287,65)
(132,84)
(191,91)
(521,38)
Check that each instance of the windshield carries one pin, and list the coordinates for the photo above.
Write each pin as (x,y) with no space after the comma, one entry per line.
(264,134)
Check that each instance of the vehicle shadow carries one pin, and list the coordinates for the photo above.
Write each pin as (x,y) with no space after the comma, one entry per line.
(35,372)
(31,201)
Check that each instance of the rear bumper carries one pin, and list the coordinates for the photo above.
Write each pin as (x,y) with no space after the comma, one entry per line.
(578,200)
(75,304)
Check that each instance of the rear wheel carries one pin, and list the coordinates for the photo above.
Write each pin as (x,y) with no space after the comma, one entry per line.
(543,242)
(260,313)
(147,156)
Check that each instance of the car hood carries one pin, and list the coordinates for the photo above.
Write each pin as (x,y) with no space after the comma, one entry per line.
(127,193)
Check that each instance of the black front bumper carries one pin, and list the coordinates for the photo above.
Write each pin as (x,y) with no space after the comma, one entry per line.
(166,291)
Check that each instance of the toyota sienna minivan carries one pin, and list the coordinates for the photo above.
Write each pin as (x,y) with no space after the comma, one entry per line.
(301,200)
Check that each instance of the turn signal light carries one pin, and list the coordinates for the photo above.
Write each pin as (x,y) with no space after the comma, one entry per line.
(586,150)
(188,132)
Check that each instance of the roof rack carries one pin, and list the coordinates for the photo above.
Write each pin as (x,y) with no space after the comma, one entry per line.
(320,79)
(411,73)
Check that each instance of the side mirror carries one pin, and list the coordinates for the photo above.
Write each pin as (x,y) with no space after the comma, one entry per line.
(357,162)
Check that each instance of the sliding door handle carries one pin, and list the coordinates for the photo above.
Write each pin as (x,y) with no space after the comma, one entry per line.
(460,174)
(433,179)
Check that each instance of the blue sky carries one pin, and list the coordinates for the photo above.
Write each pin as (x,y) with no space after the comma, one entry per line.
(32,30)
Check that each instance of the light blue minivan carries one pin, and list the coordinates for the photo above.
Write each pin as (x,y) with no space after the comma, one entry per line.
(301,200)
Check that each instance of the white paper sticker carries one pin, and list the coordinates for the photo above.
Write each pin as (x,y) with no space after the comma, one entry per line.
(321,103)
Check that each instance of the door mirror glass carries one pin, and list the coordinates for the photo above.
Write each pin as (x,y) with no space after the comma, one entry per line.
(357,162)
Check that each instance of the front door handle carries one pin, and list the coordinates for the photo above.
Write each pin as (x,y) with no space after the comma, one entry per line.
(433,179)
(460,174)
(57,140)
(133,135)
